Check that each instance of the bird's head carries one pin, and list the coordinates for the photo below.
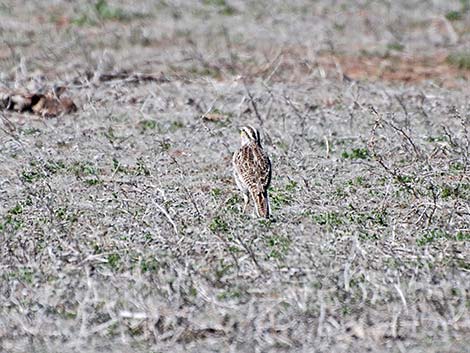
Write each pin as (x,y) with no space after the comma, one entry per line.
(249,134)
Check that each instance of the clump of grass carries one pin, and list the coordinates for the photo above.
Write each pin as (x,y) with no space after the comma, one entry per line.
(232,203)
(356,153)
(216,192)
(175,125)
(92,181)
(279,246)
(85,171)
(454,15)
(282,196)
(147,125)
(218,225)
(113,260)
(230,294)
(222,269)
(39,170)
(107,12)
(13,217)
(395,46)
(441,138)
(141,168)
(431,236)
(457,15)
(328,218)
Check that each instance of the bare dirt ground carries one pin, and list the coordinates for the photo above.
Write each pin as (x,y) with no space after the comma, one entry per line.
(120,225)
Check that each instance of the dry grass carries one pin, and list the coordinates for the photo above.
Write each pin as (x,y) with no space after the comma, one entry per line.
(121,227)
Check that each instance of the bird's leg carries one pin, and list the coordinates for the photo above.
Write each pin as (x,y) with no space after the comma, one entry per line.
(246,199)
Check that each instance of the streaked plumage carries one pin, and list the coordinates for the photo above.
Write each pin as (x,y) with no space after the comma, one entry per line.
(252,171)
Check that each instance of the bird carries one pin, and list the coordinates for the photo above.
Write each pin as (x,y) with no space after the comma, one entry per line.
(252,171)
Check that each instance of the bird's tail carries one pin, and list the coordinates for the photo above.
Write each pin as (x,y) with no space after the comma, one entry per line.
(262,204)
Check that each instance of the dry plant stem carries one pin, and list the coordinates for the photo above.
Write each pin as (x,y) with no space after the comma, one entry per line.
(253,103)
(228,44)
(250,252)
(379,159)
(403,106)
(188,193)
(296,112)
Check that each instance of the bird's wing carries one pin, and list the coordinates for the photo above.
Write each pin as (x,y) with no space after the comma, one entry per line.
(254,167)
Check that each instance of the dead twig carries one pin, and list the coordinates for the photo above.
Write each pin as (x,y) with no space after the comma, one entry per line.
(253,103)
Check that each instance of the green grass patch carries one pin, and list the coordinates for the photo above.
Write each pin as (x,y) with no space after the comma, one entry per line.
(395,46)
(328,219)
(460,60)
(218,225)
(40,169)
(454,15)
(278,246)
(282,196)
(462,236)
(441,138)
(113,260)
(147,125)
(149,265)
(356,153)
(92,181)
(437,234)
(216,192)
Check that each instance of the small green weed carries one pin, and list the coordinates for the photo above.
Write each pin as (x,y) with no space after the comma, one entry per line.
(431,236)
(279,198)
(454,15)
(395,46)
(291,186)
(441,138)
(282,196)
(216,192)
(31,131)
(229,294)
(92,181)
(107,12)
(141,168)
(149,265)
(218,225)
(328,218)
(456,166)
(462,236)
(16,210)
(176,125)
(222,269)
(147,125)
(25,274)
(356,153)
(113,260)
(279,246)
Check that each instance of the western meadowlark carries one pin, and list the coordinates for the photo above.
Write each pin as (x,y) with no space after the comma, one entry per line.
(252,171)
